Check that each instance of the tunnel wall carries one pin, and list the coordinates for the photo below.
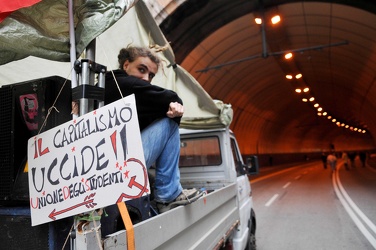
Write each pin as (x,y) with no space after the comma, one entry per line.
(280,159)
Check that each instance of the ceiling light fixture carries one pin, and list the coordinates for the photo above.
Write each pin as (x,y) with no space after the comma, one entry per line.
(276,19)
(288,55)
(258,20)
(265,53)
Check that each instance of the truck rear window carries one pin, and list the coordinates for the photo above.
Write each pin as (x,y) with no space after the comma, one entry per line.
(204,151)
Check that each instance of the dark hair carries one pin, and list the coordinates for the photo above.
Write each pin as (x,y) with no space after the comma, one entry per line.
(132,52)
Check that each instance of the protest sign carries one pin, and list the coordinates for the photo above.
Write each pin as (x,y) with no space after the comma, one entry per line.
(90,162)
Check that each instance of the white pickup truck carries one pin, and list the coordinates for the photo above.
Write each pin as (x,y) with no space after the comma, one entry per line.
(210,160)
(224,218)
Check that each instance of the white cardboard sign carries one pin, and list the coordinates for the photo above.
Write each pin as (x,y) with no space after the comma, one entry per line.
(90,162)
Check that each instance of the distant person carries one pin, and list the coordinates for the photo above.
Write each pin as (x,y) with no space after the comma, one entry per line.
(352,156)
(323,159)
(306,158)
(332,161)
(270,160)
(363,157)
(345,159)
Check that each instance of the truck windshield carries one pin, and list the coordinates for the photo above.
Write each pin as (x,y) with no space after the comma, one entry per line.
(204,151)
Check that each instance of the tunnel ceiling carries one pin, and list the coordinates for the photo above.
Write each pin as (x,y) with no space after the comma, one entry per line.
(333,48)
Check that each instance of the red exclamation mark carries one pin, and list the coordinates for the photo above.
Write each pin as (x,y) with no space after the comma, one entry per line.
(113,142)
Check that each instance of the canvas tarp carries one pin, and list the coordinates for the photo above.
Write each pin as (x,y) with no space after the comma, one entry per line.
(42,29)
(136,27)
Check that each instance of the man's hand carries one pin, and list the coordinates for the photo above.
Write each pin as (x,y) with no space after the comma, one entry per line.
(175,110)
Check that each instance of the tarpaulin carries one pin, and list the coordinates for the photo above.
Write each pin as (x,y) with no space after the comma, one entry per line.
(136,27)
(42,30)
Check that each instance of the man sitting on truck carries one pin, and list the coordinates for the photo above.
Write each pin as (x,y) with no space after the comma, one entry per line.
(159,112)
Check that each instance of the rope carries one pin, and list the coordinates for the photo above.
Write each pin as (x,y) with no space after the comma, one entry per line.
(53,105)
(68,236)
(97,229)
(108,63)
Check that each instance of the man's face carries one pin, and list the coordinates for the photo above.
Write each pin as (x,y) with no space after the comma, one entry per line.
(142,68)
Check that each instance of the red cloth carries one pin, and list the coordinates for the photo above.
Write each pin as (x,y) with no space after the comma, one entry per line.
(9,6)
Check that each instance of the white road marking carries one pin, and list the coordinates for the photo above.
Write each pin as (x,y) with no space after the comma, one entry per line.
(287,184)
(271,200)
(353,210)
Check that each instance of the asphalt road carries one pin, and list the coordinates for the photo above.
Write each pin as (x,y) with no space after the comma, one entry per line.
(304,207)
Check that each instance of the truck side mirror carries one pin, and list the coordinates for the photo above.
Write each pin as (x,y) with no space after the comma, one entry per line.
(252,165)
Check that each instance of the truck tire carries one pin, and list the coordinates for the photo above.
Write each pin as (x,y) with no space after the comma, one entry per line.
(251,242)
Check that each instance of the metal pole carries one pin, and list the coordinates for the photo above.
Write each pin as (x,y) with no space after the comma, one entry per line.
(263,37)
(87,225)
(87,78)
(87,233)
(72,48)
(72,40)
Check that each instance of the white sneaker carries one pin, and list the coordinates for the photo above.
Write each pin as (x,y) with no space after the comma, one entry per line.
(187,196)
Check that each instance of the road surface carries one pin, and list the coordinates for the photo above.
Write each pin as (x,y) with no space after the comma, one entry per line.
(304,207)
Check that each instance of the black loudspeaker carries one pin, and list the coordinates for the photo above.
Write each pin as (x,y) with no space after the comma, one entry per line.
(17,232)
(23,110)
(138,209)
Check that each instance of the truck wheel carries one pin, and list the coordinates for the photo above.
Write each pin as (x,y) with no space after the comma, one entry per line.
(251,242)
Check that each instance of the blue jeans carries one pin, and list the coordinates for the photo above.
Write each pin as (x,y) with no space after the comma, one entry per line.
(333,165)
(161,144)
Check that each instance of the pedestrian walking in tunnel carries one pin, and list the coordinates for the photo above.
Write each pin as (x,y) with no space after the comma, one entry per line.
(323,159)
(332,161)
(363,157)
(345,159)
(352,156)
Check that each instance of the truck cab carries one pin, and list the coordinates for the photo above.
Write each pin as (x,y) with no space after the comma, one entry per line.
(211,159)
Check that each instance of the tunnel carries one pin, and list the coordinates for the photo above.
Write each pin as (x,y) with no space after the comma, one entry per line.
(321,99)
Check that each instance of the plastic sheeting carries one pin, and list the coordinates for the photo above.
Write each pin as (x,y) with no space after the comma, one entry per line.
(136,27)
(42,30)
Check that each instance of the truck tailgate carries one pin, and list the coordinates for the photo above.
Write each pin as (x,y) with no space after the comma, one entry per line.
(199,225)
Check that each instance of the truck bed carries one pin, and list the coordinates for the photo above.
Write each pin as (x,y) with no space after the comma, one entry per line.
(200,225)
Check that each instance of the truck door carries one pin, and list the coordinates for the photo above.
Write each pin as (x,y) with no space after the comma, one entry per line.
(244,196)
(239,166)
